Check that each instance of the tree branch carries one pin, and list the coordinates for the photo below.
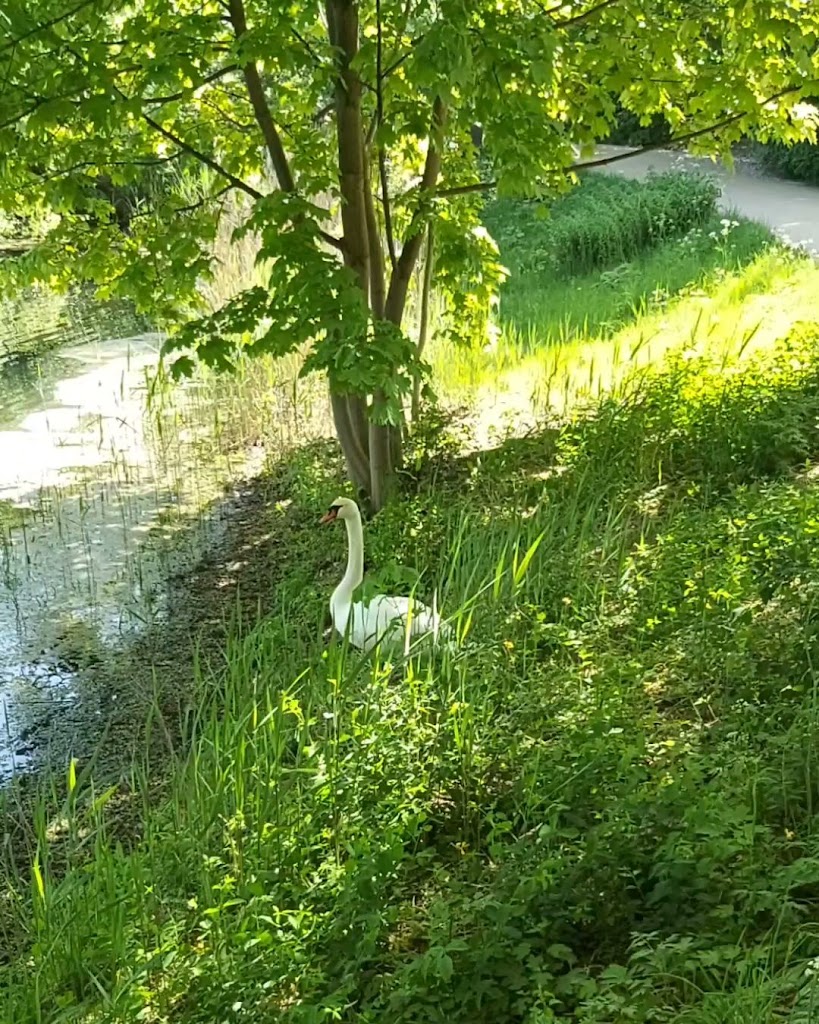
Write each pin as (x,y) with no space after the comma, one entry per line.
(382,159)
(23,114)
(264,118)
(203,201)
(386,204)
(316,58)
(173,97)
(604,161)
(399,282)
(45,25)
(584,15)
(396,64)
(261,110)
(208,161)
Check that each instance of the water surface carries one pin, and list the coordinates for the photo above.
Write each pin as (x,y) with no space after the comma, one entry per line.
(98,503)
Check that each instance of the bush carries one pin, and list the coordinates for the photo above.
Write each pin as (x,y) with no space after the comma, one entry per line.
(606,221)
(628,131)
(799,161)
(697,421)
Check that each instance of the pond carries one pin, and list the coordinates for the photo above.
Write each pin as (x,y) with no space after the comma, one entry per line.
(102,495)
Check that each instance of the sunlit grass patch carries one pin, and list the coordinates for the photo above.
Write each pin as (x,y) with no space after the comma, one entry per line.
(740,312)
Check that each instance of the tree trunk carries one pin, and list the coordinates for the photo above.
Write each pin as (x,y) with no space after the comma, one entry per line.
(372,450)
(381,440)
(423,325)
(350,412)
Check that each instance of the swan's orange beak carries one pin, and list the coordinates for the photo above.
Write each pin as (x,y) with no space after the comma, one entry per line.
(329,516)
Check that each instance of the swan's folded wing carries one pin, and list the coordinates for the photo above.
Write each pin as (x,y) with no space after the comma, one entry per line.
(385,618)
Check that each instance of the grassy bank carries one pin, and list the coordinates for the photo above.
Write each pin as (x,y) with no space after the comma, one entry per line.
(613,251)
(600,808)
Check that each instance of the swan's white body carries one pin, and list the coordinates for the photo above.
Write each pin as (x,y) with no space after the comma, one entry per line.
(383,619)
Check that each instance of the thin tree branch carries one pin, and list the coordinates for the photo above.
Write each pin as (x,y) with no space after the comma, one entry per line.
(208,161)
(382,159)
(100,166)
(191,207)
(307,46)
(264,118)
(604,161)
(387,205)
(173,97)
(396,64)
(23,114)
(240,125)
(166,133)
(399,282)
(584,15)
(45,25)
(322,112)
(261,110)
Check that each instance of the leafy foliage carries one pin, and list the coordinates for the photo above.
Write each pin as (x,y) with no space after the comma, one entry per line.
(107,117)
(799,161)
(629,130)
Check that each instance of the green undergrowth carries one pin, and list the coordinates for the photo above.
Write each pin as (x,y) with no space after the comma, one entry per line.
(538,310)
(601,223)
(799,161)
(635,257)
(600,808)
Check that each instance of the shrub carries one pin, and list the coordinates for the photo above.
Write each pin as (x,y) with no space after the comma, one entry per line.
(629,131)
(696,421)
(606,221)
(799,161)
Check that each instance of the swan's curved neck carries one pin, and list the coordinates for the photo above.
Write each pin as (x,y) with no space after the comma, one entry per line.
(343,594)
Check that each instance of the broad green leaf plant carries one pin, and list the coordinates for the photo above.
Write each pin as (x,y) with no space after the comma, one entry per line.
(338,133)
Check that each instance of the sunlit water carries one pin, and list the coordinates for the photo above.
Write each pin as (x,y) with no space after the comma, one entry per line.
(91,495)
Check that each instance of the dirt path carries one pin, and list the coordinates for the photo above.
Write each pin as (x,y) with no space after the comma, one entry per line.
(789,208)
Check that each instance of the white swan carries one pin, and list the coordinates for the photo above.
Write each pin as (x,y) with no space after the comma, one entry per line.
(382,619)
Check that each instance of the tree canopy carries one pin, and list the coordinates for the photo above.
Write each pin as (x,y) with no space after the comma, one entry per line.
(339,132)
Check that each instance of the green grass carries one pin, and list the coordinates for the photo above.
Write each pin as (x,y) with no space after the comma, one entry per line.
(601,223)
(600,809)
(611,252)
(540,309)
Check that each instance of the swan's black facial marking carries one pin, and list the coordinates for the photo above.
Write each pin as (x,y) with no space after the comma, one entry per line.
(331,514)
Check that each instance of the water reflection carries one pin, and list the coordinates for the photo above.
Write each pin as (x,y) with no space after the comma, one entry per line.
(89,494)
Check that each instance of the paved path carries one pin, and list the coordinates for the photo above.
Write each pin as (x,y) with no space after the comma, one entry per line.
(789,208)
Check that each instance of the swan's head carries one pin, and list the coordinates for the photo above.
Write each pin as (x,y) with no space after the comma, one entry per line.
(342,508)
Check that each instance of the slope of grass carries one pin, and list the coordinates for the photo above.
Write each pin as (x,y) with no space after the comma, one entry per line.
(601,808)
(541,310)
(610,252)
(734,315)
(604,221)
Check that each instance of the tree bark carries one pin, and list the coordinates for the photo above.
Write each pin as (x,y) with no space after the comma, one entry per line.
(350,412)
(400,281)
(423,325)
(342,19)
(364,440)
(378,294)
(350,419)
